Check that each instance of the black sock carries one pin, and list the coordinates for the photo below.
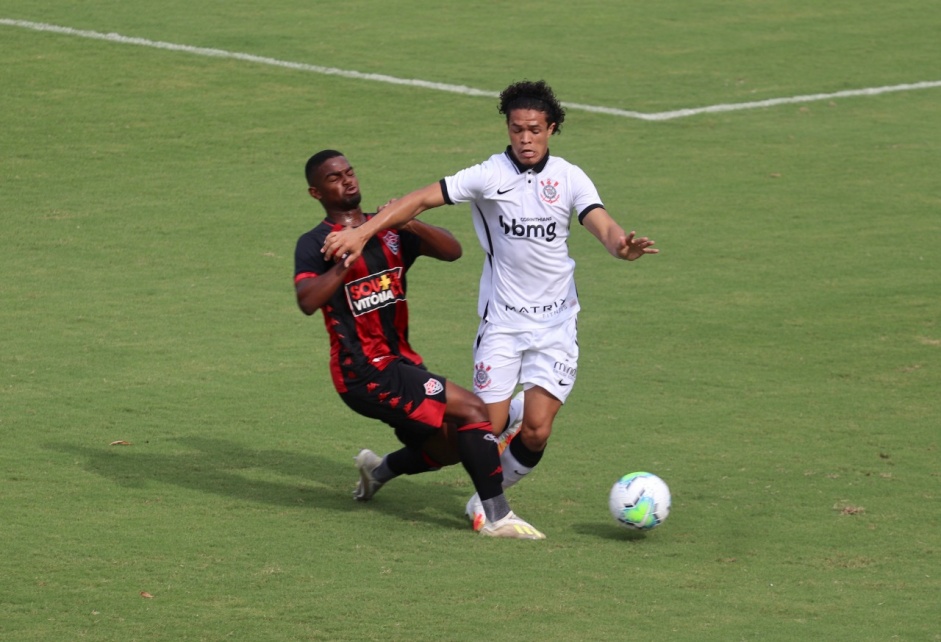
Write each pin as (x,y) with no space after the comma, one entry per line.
(405,461)
(481,459)
(523,454)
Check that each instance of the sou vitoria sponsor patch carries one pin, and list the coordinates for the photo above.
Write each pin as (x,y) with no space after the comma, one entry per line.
(375,291)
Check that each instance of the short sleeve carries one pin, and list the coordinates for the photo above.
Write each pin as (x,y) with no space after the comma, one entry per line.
(308,259)
(469,184)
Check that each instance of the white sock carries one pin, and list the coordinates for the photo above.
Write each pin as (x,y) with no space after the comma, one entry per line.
(516,410)
(513,471)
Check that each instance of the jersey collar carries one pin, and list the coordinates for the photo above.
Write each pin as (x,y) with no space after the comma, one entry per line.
(522,169)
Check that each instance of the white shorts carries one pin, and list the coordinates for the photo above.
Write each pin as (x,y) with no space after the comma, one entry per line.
(504,357)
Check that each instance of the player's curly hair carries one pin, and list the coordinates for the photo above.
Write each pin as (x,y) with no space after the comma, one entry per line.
(537,95)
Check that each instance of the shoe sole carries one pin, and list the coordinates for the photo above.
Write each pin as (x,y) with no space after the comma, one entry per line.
(514,531)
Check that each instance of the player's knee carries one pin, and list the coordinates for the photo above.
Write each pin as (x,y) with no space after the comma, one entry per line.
(464,407)
(477,411)
(467,408)
(535,436)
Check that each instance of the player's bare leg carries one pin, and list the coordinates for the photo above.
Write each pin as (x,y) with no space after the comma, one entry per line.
(499,413)
(525,449)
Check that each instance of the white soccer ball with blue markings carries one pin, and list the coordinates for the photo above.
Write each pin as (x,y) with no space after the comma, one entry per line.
(639,501)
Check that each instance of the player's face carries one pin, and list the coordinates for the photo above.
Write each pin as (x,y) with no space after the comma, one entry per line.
(336,186)
(529,133)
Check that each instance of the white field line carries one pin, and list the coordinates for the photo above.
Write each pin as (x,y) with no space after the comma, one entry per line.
(458,89)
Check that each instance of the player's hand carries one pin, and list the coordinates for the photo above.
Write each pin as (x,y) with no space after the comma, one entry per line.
(631,248)
(343,245)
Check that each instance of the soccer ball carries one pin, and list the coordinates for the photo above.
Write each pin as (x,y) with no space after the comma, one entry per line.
(639,501)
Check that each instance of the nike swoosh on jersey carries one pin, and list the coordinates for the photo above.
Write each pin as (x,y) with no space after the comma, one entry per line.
(504,191)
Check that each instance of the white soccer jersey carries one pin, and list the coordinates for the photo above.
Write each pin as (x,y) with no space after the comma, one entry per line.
(522,216)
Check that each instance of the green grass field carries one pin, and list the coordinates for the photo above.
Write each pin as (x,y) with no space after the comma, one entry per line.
(778,364)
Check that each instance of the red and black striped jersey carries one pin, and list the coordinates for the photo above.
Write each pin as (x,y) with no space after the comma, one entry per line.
(367,317)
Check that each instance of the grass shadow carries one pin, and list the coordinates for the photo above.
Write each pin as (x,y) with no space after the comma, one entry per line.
(610,531)
(275,477)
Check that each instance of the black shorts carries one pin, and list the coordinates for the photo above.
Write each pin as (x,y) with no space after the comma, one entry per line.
(405,396)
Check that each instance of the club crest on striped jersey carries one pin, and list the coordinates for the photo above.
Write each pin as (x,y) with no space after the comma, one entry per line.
(375,291)
(549,193)
(391,239)
(433,387)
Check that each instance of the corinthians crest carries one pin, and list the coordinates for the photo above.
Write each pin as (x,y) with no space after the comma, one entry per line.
(481,375)
(549,192)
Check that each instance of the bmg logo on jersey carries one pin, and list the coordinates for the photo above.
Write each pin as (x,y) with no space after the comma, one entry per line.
(375,291)
(530,228)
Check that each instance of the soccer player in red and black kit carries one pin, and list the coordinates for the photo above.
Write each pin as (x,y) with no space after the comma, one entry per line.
(373,366)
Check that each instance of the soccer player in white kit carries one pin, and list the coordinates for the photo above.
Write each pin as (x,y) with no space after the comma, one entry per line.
(523,201)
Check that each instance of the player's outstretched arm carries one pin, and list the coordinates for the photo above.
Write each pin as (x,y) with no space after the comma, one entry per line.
(349,242)
(436,242)
(618,243)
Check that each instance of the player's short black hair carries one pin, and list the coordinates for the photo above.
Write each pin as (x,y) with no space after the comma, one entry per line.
(537,95)
(315,161)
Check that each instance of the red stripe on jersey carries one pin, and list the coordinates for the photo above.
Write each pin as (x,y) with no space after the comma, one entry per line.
(303,275)
(339,323)
(401,311)
(336,372)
